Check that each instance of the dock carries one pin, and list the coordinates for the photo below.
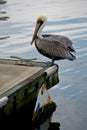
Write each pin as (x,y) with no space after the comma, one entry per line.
(20,81)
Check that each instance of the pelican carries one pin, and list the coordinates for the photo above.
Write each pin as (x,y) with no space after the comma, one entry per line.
(55,47)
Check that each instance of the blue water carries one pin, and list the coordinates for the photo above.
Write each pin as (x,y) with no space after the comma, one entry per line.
(68,18)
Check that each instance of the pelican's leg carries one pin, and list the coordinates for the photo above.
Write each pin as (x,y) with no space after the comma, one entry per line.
(50,63)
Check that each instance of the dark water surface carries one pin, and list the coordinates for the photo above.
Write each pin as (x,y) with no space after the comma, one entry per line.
(68,18)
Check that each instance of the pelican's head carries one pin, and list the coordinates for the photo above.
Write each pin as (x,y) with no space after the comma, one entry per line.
(40,23)
(41,18)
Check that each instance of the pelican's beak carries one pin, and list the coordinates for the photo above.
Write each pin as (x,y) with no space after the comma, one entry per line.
(35,32)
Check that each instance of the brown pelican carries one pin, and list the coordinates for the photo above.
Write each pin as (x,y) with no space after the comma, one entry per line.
(55,47)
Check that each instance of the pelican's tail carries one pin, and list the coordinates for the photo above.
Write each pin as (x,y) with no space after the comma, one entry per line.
(71,49)
(72,57)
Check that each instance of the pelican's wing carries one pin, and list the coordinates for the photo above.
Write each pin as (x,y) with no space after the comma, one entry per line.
(62,39)
(59,38)
(54,49)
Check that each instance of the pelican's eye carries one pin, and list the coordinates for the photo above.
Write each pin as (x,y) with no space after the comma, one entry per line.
(40,22)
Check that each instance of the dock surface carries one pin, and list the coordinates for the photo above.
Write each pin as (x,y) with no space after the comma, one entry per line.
(11,75)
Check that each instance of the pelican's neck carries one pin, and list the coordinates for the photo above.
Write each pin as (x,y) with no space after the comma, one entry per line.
(40,30)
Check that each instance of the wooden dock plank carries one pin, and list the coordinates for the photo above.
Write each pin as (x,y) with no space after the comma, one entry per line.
(11,75)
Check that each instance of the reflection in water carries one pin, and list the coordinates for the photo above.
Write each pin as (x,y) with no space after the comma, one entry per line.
(2,1)
(2,11)
(54,126)
(4,18)
(2,38)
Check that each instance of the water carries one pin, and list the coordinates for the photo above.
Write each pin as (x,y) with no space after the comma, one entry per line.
(68,18)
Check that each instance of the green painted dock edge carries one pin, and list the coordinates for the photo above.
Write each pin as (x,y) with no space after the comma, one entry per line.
(17,99)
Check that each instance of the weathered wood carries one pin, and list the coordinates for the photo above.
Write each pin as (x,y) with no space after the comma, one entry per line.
(12,75)
(20,81)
